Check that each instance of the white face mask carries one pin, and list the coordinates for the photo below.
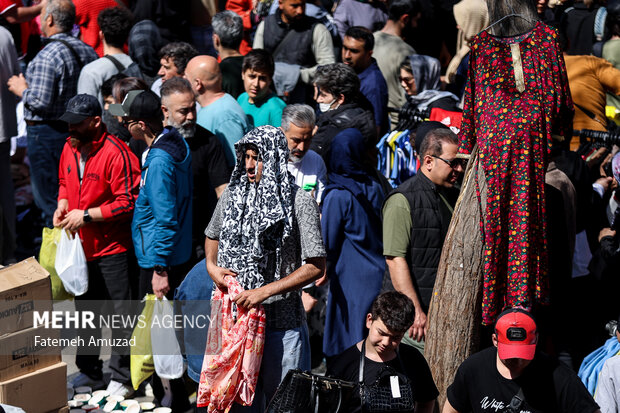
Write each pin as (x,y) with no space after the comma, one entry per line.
(326,107)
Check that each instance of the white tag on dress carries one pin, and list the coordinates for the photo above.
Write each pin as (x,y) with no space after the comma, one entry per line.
(395,387)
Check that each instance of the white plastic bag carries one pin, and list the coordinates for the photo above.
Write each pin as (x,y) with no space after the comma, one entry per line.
(166,350)
(71,265)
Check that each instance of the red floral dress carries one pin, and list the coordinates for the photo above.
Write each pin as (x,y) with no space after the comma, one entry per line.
(517,96)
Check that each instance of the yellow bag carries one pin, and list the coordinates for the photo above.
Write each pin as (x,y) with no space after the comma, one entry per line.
(141,353)
(47,259)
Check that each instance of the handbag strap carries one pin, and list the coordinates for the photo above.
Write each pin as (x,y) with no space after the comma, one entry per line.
(362,357)
(314,393)
(516,402)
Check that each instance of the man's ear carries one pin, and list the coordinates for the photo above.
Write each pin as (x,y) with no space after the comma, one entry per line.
(428,162)
(494,339)
(404,20)
(164,110)
(216,40)
(97,121)
(368,320)
(340,99)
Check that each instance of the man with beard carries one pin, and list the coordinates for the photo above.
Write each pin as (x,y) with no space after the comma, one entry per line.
(162,220)
(98,179)
(306,166)
(209,168)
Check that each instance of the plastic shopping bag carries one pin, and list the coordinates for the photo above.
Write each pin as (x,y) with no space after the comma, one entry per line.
(71,264)
(47,258)
(167,355)
(141,354)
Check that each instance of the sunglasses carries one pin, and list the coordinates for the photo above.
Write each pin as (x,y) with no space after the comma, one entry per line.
(452,163)
(127,123)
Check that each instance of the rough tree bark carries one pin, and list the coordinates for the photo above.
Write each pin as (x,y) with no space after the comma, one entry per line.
(455,310)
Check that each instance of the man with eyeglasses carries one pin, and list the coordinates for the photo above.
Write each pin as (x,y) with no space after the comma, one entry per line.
(416,217)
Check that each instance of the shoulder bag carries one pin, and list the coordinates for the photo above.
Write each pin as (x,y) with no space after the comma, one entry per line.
(390,392)
(302,392)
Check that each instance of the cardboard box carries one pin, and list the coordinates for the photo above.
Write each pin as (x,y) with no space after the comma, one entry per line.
(37,392)
(23,352)
(24,287)
(64,409)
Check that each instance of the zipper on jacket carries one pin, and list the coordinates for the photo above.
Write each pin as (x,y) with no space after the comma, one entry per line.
(141,240)
(79,173)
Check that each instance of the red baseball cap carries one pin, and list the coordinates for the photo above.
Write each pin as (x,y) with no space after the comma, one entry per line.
(516,334)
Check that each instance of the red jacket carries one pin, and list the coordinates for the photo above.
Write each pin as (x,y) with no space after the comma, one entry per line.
(110,181)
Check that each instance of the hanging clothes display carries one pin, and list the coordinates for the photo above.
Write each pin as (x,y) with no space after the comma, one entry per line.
(516,98)
(397,158)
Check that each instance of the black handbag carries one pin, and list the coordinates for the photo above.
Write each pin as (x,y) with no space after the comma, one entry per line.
(386,394)
(302,392)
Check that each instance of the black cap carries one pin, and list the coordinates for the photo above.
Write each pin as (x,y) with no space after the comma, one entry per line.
(139,104)
(81,107)
(423,129)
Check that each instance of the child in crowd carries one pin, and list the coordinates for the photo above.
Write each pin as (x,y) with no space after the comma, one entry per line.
(258,102)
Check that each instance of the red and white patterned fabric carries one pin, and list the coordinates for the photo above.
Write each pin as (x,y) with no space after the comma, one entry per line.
(231,375)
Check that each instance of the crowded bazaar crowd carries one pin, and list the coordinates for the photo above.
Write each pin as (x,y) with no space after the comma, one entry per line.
(305,163)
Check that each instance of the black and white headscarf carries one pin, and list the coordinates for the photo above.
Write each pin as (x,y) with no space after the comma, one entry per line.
(259,216)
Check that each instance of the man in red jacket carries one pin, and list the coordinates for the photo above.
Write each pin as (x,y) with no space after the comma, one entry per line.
(99,179)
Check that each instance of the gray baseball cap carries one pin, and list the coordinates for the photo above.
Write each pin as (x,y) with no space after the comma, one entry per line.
(139,104)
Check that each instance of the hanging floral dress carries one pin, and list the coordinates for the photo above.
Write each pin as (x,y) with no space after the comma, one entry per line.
(516,98)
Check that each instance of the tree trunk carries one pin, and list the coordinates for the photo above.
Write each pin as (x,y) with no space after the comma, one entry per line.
(455,310)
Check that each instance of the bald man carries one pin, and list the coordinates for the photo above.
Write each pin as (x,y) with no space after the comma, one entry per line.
(220,113)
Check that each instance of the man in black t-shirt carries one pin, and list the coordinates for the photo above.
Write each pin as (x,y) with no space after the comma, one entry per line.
(390,316)
(513,374)
(210,171)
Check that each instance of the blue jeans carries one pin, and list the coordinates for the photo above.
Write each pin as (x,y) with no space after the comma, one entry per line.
(284,350)
(45,143)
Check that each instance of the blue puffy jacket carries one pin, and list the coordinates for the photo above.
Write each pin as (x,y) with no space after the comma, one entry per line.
(162,219)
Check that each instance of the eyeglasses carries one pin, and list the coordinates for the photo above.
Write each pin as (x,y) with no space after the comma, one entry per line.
(405,79)
(128,123)
(454,163)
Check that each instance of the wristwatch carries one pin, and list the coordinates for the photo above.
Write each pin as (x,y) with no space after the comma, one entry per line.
(87,217)
(159,269)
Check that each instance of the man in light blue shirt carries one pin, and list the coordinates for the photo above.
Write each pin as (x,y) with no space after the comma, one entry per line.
(220,113)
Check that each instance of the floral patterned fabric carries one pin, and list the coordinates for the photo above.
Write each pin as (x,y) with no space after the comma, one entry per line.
(516,98)
(231,375)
